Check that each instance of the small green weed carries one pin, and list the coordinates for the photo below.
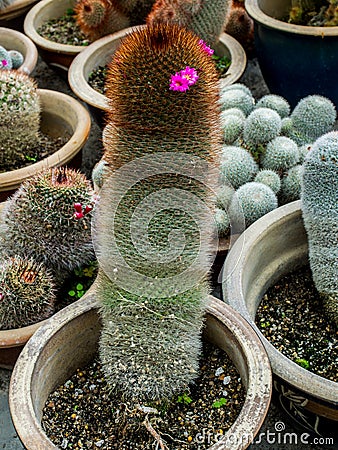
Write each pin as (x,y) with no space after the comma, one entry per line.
(219,403)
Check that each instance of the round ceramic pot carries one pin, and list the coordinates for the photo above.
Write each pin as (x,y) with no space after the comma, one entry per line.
(15,40)
(295,60)
(99,53)
(13,15)
(60,113)
(58,56)
(273,246)
(70,341)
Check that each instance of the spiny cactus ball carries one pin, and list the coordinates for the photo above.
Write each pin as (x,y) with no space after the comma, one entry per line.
(239,25)
(270,178)
(16,58)
(254,201)
(303,151)
(320,213)
(222,222)
(5,59)
(224,196)
(98,174)
(275,102)
(237,166)
(240,86)
(291,185)
(280,154)
(48,219)
(261,126)
(178,12)
(27,293)
(20,113)
(97,18)
(312,117)
(232,126)
(232,112)
(330,304)
(237,98)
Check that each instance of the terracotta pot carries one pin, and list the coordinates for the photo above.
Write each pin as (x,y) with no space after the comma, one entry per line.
(100,52)
(295,60)
(60,113)
(70,340)
(13,15)
(59,56)
(273,246)
(15,40)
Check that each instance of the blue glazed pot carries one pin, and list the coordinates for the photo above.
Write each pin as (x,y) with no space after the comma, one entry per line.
(295,60)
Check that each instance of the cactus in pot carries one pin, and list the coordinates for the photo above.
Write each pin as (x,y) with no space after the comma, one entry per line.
(5,3)
(320,214)
(48,220)
(163,129)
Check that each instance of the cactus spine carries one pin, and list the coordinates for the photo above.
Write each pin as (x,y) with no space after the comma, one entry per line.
(150,343)
(48,219)
(320,213)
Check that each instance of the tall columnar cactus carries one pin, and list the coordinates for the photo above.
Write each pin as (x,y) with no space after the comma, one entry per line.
(19,112)
(48,219)
(239,24)
(151,231)
(26,293)
(97,18)
(320,213)
(206,18)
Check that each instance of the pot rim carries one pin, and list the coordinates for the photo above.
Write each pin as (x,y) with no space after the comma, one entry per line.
(31,56)
(15,9)
(12,179)
(46,44)
(287,370)
(256,13)
(258,395)
(85,92)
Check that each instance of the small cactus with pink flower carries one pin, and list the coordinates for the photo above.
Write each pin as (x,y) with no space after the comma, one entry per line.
(48,220)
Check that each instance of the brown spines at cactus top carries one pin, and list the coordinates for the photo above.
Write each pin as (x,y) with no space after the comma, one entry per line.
(142,107)
(240,25)
(97,18)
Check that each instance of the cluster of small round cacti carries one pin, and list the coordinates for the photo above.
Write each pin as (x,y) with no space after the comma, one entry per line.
(10,59)
(27,293)
(20,114)
(266,143)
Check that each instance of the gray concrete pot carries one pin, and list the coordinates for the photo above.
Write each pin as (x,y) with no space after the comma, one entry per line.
(69,340)
(273,246)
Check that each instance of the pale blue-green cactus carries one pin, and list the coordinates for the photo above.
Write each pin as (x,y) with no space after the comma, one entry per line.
(291,185)
(280,154)
(275,102)
(237,98)
(270,178)
(232,126)
(320,213)
(224,196)
(222,221)
(237,166)
(17,58)
(261,126)
(5,59)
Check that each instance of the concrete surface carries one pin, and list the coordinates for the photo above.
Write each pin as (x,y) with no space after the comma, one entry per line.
(275,421)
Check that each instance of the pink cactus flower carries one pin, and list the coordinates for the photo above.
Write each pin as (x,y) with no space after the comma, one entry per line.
(78,207)
(178,83)
(78,215)
(190,74)
(87,209)
(205,47)
(4,63)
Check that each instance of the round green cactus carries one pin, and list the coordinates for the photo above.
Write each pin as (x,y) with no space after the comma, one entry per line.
(5,59)
(237,98)
(232,112)
(27,293)
(291,185)
(237,166)
(270,178)
(20,114)
(261,126)
(280,154)
(48,219)
(222,222)
(253,200)
(319,208)
(232,126)
(240,86)
(312,117)
(275,102)
(16,58)
(224,196)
